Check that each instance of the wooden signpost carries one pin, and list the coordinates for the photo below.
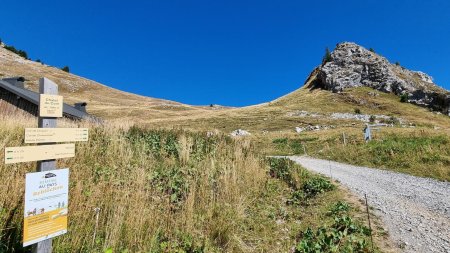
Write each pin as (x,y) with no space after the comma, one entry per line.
(46,194)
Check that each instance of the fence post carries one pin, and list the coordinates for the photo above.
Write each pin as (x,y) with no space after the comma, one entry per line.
(46,87)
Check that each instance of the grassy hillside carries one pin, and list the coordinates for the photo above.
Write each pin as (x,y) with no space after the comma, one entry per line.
(416,142)
(180,191)
(102,101)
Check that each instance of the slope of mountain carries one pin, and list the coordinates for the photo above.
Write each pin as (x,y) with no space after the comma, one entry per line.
(363,82)
(351,65)
(102,101)
(343,92)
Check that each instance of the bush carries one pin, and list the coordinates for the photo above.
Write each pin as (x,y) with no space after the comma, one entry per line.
(343,235)
(404,98)
(16,51)
(397,63)
(372,118)
(357,111)
(65,69)
(372,50)
(317,185)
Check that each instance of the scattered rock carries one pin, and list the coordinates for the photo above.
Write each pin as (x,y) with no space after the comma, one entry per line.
(313,128)
(240,132)
(361,117)
(304,114)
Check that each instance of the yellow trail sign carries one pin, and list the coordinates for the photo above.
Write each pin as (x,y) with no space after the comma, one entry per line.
(38,153)
(48,135)
(50,106)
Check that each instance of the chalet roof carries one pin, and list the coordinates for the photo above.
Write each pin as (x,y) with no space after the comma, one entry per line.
(33,97)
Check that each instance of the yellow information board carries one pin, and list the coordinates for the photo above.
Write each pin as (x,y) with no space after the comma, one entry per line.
(47,135)
(38,153)
(50,106)
(46,202)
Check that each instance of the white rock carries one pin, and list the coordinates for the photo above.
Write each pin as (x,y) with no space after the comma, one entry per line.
(240,132)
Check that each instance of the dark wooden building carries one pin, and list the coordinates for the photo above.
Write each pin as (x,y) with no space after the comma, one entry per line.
(12,90)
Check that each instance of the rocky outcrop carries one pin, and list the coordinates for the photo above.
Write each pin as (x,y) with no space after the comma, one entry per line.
(351,65)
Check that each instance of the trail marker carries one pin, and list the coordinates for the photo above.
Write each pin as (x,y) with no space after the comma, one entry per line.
(46,191)
(38,153)
(47,135)
(50,105)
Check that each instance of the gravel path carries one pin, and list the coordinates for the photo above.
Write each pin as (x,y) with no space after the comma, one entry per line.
(416,210)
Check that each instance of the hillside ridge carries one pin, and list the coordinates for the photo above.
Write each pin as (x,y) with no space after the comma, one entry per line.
(350,65)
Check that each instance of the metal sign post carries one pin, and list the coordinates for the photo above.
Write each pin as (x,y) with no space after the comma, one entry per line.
(46,87)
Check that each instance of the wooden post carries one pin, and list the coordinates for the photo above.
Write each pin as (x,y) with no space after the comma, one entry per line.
(46,87)
(345,140)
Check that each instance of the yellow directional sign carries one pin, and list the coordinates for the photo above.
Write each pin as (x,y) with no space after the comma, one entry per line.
(47,135)
(50,106)
(38,153)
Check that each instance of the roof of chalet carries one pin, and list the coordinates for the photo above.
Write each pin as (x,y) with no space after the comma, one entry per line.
(33,97)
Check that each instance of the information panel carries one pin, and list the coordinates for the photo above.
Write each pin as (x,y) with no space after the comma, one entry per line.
(50,106)
(47,135)
(46,201)
(38,153)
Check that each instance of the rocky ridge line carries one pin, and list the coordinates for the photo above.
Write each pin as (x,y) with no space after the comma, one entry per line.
(351,65)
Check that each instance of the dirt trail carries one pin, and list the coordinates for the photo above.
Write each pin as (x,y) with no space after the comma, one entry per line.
(416,210)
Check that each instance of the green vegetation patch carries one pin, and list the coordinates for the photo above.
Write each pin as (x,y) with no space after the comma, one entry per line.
(343,234)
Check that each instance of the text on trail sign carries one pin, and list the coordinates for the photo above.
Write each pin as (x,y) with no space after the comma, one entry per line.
(50,106)
(38,153)
(47,135)
(46,201)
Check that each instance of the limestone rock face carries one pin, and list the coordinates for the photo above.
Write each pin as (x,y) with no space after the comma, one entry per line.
(351,65)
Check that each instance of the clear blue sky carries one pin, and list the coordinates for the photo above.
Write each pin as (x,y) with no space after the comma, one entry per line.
(223,52)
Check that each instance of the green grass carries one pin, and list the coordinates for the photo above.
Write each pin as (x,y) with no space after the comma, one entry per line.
(170,191)
(418,152)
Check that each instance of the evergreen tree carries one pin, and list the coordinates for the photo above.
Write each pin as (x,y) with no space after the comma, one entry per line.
(327,57)
(66,69)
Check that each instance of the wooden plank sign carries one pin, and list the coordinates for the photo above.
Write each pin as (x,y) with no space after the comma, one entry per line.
(38,153)
(46,201)
(49,135)
(50,106)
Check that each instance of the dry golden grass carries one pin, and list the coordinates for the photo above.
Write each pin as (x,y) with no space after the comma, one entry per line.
(103,101)
(161,191)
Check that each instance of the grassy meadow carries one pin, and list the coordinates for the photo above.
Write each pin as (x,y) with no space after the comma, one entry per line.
(420,152)
(179,191)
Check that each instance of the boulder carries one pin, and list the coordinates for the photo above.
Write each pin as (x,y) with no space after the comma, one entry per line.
(239,132)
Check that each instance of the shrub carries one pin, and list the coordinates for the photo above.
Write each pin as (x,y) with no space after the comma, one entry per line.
(372,118)
(357,111)
(397,63)
(404,98)
(339,208)
(281,168)
(317,185)
(372,50)
(343,235)
(65,69)
(16,51)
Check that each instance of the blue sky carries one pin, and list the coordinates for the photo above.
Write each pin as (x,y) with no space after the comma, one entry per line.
(223,52)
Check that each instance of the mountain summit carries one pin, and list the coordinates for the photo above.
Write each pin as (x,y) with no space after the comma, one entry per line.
(351,65)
